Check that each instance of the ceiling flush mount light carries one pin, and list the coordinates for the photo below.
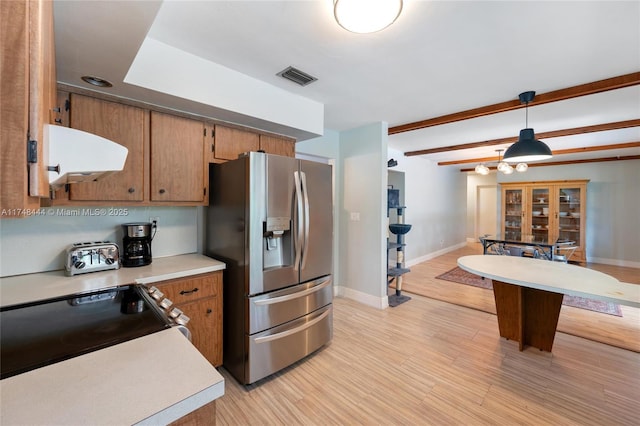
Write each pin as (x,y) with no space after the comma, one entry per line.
(96,81)
(527,148)
(366,16)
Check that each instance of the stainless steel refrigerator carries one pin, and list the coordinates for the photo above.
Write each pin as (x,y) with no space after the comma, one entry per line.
(270,219)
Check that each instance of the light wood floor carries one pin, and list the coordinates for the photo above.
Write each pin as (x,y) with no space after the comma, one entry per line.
(622,331)
(432,362)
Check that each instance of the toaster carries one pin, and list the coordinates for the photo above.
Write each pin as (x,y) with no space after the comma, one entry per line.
(82,258)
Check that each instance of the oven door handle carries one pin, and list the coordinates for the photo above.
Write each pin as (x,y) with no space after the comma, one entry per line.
(296,295)
(282,334)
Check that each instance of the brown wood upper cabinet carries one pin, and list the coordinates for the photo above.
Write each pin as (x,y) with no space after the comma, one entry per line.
(28,88)
(227,143)
(177,159)
(122,124)
(278,145)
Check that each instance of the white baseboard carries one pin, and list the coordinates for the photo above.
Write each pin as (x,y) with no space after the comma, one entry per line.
(360,297)
(435,254)
(615,262)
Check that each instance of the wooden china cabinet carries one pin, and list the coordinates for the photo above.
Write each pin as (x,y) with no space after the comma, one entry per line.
(546,211)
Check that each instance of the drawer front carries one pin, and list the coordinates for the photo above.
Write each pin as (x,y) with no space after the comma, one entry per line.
(278,307)
(275,349)
(184,290)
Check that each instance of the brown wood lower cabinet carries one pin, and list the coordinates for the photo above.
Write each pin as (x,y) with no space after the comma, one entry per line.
(200,298)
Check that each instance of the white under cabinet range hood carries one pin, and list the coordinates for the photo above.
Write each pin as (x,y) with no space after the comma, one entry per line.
(78,156)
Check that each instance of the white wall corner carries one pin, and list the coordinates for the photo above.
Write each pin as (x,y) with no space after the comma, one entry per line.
(360,297)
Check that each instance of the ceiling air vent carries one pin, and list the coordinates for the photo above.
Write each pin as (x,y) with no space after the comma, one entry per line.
(297,76)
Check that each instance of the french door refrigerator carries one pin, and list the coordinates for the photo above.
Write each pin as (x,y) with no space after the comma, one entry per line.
(270,220)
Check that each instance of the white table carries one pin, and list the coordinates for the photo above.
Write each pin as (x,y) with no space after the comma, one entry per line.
(528,293)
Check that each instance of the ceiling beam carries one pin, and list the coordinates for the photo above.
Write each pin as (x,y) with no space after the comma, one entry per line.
(555,152)
(599,86)
(552,134)
(564,163)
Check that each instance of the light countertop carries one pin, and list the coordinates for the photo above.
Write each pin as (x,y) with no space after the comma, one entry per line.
(32,287)
(154,379)
(552,276)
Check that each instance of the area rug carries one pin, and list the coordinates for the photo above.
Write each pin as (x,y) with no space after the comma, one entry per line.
(461,276)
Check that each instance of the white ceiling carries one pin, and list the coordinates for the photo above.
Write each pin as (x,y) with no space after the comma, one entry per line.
(439,57)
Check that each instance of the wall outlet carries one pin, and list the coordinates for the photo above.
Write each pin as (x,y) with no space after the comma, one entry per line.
(154,221)
(441,243)
(355,216)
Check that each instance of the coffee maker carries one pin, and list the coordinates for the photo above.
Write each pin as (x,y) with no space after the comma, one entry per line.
(136,244)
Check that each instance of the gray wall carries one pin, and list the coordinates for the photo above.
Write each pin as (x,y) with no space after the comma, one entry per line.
(37,243)
(613,206)
(363,213)
(436,203)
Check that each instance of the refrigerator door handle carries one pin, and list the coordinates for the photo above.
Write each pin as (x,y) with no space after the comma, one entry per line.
(305,246)
(298,236)
(282,334)
(296,295)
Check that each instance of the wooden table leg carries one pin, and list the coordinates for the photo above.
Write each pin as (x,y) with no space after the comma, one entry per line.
(527,315)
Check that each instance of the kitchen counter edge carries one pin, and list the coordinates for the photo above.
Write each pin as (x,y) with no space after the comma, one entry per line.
(41,286)
(28,288)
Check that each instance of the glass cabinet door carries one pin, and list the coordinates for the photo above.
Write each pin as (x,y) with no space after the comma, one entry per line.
(513,213)
(540,213)
(570,214)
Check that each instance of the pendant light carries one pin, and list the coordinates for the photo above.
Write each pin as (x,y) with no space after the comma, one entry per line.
(366,16)
(481,169)
(503,166)
(527,148)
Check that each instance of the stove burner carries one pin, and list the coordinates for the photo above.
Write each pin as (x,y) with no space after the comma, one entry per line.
(43,333)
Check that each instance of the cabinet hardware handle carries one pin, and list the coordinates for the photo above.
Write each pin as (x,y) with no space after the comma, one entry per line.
(162,191)
(209,310)
(132,190)
(58,120)
(189,291)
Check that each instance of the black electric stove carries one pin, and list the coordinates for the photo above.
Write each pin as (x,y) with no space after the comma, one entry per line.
(37,334)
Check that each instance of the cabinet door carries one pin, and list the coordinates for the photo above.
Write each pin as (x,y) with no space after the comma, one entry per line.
(200,298)
(177,159)
(206,327)
(278,146)
(513,211)
(540,223)
(122,124)
(42,88)
(229,142)
(571,216)
(26,53)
